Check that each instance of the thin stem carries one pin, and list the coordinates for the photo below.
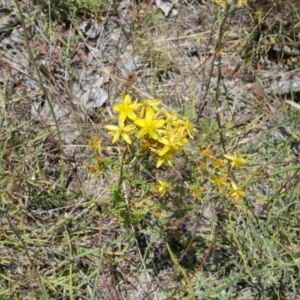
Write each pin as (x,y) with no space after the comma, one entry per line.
(219,65)
(40,80)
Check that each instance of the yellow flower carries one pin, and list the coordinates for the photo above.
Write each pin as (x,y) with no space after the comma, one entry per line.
(186,126)
(241,3)
(172,142)
(197,192)
(159,214)
(149,105)
(95,143)
(219,164)
(126,109)
(149,125)
(121,131)
(219,181)
(221,53)
(170,118)
(206,153)
(162,158)
(221,3)
(170,146)
(237,193)
(161,188)
(237,161)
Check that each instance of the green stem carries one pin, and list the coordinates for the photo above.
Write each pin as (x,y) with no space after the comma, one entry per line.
(177,265)
(219,65)
(40,80)
(122,167)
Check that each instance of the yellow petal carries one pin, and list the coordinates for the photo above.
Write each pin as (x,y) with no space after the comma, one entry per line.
(116,137)
(127,99)
(122,116)
(164,151)
(158,123)
(142,132)
(153,134)
(228,156)
(234,186)
(129,128)
(112,127)
(126,137)
(131,115)
(118,107)
(140,122)
(160,161)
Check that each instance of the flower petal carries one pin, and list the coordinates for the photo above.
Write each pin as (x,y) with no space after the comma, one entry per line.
(131,114)
(127,100)
(126,137)
(116,137)
(111,127)
(140,122)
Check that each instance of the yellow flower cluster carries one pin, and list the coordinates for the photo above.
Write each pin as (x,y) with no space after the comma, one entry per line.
(161,132)
(217,173)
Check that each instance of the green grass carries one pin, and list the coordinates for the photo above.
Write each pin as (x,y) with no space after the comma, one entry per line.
(105,228)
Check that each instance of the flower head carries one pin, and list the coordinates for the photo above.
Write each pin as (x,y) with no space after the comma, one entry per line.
(161,188)
(219,181)
(126,109)
(219,164)
(168,146)
(95,143)
(149,105)
(171,118)
(186,126)
(197,191)
(236,193)
(207,153)
(121,131)
(236,161)
(149,125)
(221,3)
(220,53)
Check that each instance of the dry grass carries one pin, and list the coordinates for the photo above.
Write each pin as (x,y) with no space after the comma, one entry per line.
(77,223)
